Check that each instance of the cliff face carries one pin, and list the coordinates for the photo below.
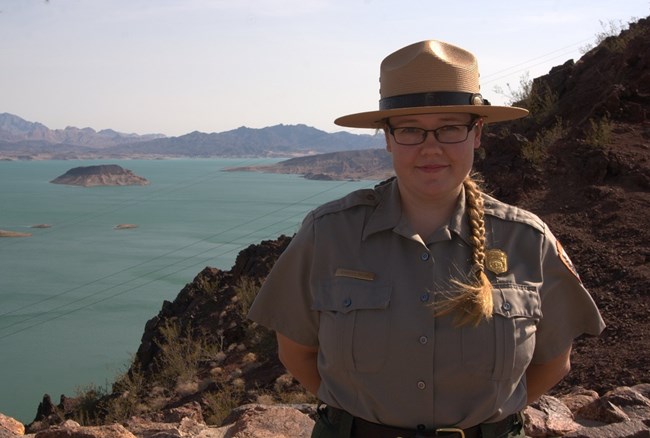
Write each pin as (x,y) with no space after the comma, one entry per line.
(101,175)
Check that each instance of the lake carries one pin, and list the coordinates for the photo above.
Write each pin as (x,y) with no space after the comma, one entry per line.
(74,298)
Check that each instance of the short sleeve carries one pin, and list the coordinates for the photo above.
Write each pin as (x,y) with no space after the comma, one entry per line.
(284,303)
(568,310)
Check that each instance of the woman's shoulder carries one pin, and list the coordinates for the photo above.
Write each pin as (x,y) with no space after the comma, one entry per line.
(383,192)
(512,213)
(357,198)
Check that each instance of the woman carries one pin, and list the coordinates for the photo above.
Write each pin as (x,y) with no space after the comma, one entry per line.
(423,306)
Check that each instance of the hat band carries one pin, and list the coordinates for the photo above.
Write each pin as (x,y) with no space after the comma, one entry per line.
(435,98)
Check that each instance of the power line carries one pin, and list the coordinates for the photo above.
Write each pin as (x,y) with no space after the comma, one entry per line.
(130,202)
(167,253)
(103,212)
(155,271)
(525,63)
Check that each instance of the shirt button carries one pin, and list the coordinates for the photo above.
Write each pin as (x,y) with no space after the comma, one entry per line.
(424,297)
(347,302)
(424,256)
(423,340)
(421,385)
(506,306)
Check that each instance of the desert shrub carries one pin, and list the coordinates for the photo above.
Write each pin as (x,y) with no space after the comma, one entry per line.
(246,290)
(517,95)
(181,353)
(88,401)
(542,102)
(297,397)
(615,29)
(218,404)
(128,390)
(539,99)
(599,133)
(537,150)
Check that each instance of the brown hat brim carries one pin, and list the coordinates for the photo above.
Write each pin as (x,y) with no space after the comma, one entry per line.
(375,119)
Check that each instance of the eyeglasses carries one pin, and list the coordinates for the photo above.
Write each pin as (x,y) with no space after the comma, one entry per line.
(411,136)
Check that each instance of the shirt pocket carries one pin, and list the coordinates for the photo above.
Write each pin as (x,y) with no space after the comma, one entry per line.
(354,324)
(501,349)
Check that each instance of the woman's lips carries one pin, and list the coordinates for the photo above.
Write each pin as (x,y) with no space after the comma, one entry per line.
(431,168)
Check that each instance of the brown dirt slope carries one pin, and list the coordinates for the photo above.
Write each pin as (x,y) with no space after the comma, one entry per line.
(589,179)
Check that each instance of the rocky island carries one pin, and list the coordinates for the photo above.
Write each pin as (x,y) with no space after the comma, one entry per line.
(7,233)
(100,175)
(125,226)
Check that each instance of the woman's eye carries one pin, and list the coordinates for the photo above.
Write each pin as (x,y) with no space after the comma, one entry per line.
(449,128)
(410,130)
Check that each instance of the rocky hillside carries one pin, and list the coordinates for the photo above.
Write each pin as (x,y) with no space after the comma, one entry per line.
(581,161)
(371,164)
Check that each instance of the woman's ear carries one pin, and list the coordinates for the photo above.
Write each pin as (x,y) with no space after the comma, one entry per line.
(477,133)
(388,146)
(387,138)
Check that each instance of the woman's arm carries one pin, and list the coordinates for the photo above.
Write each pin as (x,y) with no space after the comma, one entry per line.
(542,377)
(301,361)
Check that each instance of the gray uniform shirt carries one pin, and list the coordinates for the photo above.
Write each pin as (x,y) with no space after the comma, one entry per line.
(359,284)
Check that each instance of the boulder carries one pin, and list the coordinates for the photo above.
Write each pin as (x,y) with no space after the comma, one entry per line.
(11,426)
(268,421)
(71,429)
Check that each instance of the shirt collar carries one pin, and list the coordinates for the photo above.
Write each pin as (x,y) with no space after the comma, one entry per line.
(459,222)
(388,214)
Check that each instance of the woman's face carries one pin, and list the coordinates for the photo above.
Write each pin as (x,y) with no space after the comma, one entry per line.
(432,171)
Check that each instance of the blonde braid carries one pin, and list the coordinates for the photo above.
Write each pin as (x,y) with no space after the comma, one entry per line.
(477,225)
(475,301)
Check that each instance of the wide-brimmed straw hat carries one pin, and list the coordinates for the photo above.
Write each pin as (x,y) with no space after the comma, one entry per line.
(430,77)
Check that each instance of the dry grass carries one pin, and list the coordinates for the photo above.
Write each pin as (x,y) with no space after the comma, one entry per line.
(536,151)
(220,403)
(181,353)
(599,133)
(246,291)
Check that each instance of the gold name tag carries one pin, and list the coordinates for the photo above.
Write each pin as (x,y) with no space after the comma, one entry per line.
(360,275)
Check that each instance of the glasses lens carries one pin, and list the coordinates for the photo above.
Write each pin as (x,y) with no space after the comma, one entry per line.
(409,135)
(452,133)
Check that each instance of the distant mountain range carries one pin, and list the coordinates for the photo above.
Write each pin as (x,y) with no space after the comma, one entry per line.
(21,139)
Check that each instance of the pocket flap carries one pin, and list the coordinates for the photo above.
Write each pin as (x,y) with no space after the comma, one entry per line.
(516,301)
(347,294)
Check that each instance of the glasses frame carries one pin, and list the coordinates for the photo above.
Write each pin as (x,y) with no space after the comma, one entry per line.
(470,126)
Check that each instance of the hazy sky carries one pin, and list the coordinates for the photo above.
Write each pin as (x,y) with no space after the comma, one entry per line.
(176,66)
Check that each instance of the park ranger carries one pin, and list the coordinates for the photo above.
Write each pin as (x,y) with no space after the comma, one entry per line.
(424,307)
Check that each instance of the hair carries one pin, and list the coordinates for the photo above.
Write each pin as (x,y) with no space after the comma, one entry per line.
(475,299)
